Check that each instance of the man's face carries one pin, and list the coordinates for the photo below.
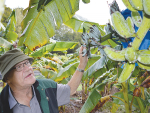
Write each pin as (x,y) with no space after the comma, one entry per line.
(21,75)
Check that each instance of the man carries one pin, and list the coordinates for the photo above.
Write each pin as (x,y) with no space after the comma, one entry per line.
(24,94)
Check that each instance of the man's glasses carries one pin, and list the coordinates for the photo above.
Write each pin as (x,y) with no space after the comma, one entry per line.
(21,66)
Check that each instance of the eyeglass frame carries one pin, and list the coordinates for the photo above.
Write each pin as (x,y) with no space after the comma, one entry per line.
(29,63)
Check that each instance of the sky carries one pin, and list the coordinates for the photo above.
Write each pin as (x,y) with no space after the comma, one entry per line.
(96,11)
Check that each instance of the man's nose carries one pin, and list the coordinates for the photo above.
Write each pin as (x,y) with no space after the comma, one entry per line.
(26,67)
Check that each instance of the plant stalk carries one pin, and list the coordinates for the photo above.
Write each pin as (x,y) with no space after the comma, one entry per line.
(142,31)
(125,94)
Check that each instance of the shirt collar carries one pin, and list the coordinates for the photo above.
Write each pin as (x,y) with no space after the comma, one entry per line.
(12,101)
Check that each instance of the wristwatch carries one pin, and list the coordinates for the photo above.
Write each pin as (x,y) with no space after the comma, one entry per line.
(80,70)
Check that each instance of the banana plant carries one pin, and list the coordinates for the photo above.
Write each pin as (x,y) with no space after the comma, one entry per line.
(10,33)
(42,18)
(131,54)
(1,8)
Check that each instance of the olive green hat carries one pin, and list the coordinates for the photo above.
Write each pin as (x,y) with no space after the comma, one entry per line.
(10,59)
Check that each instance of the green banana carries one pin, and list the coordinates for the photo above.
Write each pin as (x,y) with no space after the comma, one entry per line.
(128,5)
(147,67)
(146,4)
(144,59)
(131,55)
(120,25)
(136,4)
(142,52)
(126,73)
(115,55)
(130,25)
(136,17)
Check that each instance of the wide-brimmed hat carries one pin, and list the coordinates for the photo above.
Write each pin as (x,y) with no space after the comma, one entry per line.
(10,59)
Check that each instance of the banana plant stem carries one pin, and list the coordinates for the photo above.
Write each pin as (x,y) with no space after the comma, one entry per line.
(142,31)
(131,103)
(142,88)
(85,91)
(118,98)
(125,94)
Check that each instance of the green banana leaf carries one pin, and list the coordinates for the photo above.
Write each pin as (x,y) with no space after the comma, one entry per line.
(93,50)
(48,73)
(104,76)
(42,19)
(52,64)
(66,72)
(2,2)
(77,23)
(69,62)
(114,108)
(94,96)
(86,1)
(135,100)
(92,99)
(96,66)
(5,43)
(58,46)
(92,60)
(10,33)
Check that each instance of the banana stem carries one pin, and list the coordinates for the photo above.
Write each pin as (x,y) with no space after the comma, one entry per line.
(141,105)
(118,98)
(106,37)
(125,94)
(141,32)
(85,91)
(142,88)
(131,103)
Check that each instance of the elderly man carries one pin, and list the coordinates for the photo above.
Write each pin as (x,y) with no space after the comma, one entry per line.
(24,94)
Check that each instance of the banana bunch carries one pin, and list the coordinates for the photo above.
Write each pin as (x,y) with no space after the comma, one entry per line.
(115,55)
(126,54)
(131,55)
(136,18)
(94,35)
(130,24)
(138,5)
(126,73)
(144,59)
(85,39)
(146,4)
(121,25)
(114,7)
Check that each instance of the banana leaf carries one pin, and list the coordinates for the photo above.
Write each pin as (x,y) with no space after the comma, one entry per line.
(58,46)
(93,50)
(66,72)
(10,33)
(92,99)
(135,100)
(104,76)
(5,43)
(94,96)
(69,62)
(96,66)
(86,1)
(2,2)
(51,64)
(92,60)
(42,18)
(77,23)
(48,73)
